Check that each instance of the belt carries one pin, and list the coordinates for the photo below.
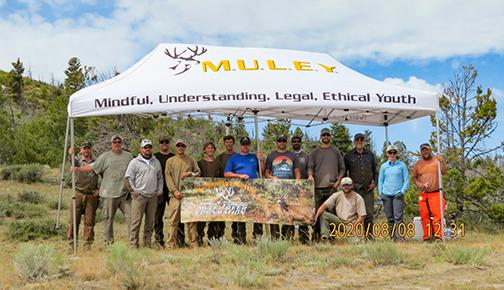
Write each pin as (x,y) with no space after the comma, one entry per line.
(433,191)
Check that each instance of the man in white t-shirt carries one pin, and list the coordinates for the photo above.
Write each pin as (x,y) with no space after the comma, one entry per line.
(347,204)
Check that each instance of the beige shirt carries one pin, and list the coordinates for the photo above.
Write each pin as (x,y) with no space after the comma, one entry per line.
(176,167)
(348,207)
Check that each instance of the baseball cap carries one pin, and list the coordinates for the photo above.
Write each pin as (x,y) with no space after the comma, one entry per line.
(245,140)
(164,138)
(116,137)
(281,137)
(180,141)
(86,144)
(392,148)
(145,142)
(358,135)
(325,131)
(346,181)
(425,145)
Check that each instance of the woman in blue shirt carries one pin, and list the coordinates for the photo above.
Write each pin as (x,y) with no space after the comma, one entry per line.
(392,185)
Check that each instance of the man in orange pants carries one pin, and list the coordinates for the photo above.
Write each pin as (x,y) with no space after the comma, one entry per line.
(425,176)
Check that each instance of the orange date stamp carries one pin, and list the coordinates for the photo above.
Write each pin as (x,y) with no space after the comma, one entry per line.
(403,230)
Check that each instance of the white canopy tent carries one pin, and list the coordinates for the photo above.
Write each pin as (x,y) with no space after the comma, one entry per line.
(181,79)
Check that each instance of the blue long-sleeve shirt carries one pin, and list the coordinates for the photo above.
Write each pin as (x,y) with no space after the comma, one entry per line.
(393,178)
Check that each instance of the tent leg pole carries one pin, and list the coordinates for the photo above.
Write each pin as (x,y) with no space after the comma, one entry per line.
(256,123)
(60,195)
(74,211)
(440,178)
(386,136)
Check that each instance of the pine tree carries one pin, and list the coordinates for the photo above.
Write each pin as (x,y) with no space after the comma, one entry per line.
(16,84)
(272,129)
(341,137)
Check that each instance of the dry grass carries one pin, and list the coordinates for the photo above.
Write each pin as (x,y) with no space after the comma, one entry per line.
(343,265)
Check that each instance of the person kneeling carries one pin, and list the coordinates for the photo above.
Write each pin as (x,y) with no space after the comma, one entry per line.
(347,204)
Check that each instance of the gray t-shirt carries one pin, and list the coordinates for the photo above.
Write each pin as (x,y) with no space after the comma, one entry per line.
(112,167)
(326,165)
(282,164)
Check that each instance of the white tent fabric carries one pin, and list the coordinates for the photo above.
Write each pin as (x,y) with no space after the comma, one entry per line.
(188,78)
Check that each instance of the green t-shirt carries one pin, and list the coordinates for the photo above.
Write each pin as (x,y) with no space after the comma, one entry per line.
(112,167)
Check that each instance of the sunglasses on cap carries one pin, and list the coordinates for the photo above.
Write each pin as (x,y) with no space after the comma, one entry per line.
(180,145)
(392,152)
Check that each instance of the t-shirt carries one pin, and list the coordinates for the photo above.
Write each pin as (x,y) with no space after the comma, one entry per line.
(426,171)
(347,207)
(112,167)
(243,164)
(326,165)
(282,164)
(302,158)
(85,182)
(210,168)
(223,159)
(162,159)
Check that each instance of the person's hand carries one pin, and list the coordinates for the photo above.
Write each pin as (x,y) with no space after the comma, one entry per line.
(71,151)
(425,186)
(74,169)
(273,177)
(244,176)
(439,157)
(371,186)
(310,177)
(97,193)
(313,220)
(260,156)
(178,195)
(187,174)
(336,185)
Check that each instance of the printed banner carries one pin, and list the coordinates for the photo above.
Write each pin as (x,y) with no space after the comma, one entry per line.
(257,200)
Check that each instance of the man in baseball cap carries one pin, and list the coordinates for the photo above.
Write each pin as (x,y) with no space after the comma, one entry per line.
(348,206)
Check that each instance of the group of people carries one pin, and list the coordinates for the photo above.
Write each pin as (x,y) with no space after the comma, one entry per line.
(147,186)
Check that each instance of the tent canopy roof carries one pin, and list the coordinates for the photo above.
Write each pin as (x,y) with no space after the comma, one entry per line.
(186,78)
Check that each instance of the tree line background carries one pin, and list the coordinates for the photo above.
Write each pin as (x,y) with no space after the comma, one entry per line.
(33,117)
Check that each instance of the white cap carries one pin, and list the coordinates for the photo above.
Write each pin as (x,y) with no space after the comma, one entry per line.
(392,147)
(145,142)
(346,181)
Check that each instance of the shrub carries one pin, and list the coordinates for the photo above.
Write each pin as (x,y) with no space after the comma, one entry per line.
(272,249)
(33,229)
(248,275)
(382,253)
(27,173)
(9,207)
(35,262)
(53,204)
(130,266)
(462,256)
(30,197)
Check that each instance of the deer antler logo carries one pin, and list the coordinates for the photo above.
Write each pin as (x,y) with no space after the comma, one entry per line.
(185,59)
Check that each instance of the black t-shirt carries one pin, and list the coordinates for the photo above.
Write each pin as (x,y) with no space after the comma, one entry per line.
(282,164)
(162,159)
(210,168)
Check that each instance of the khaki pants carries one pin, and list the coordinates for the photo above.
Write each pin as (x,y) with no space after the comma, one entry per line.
(173,223)
(139,206)
(85,204)
(110,206)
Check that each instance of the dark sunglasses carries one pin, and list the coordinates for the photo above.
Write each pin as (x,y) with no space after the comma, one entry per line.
(392,152)
(180,145)
(117,142)
(346,185)
(164,142)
